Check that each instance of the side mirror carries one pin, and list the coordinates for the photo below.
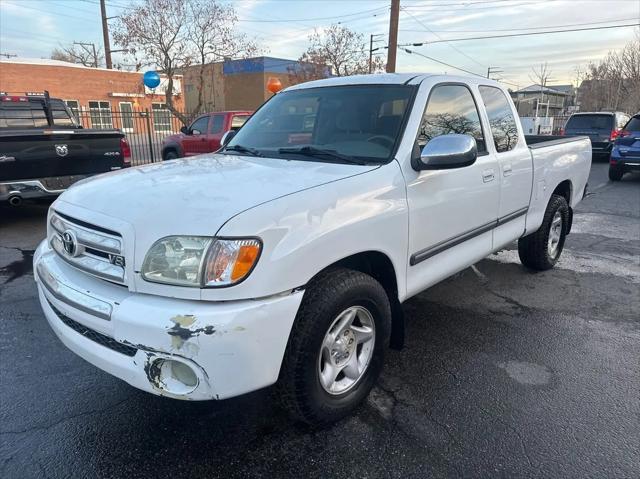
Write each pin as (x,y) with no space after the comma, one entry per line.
(226,138)
(447,151)
(184,130)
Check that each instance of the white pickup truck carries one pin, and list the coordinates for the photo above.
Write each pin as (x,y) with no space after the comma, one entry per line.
(285,257)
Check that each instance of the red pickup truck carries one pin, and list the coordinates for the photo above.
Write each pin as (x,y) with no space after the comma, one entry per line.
(203,135)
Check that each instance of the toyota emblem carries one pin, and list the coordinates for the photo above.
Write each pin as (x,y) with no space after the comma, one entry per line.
(69,243)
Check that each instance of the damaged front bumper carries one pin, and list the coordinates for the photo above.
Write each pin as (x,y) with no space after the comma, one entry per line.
(184,349)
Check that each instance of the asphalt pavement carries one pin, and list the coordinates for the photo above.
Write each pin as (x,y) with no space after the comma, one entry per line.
(505,373)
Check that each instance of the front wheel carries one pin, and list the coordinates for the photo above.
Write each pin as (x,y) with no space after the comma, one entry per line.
(170,155)
(541,250)
(336,347)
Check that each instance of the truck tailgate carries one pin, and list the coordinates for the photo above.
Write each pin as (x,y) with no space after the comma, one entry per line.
(28,154)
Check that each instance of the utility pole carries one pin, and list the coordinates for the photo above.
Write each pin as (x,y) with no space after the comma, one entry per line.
(371,49)
(393,36)
(105,35)
(93,47)
(491,70)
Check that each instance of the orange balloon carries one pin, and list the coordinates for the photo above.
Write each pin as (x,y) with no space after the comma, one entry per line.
(274,85)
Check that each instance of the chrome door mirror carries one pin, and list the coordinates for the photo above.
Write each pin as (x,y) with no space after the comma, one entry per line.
(447,151)
(226,138)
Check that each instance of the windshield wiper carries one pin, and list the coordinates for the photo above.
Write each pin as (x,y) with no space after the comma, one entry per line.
(319,152)
(243,149)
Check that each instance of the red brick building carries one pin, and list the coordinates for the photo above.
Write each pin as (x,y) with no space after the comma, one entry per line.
(102,98)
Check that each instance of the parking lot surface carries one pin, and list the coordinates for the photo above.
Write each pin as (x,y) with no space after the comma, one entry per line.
(505,373)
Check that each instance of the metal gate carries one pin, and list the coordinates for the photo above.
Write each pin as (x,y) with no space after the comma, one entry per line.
(145,129)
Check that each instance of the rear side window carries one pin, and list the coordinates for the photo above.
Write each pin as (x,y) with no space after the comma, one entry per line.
(451,109)
(23,115)
(501,120)
(217,123)
(633,125)
(590,122)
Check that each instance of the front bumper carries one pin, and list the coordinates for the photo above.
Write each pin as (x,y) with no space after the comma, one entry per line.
(231,347)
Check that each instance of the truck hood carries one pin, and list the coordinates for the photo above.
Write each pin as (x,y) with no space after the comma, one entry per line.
(196,196)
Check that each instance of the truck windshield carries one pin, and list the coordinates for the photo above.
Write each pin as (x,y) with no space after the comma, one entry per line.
(356,124)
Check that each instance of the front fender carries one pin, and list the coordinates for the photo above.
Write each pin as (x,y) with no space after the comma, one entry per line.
(307,231)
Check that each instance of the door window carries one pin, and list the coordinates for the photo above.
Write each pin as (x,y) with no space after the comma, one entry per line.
(200,124)
(217,123)
(451,109)
(100,113)
(501,120)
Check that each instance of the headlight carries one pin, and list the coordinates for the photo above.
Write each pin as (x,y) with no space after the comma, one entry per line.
(199,261)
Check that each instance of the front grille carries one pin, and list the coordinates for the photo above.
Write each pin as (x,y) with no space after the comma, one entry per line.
(91,248)
(94,336)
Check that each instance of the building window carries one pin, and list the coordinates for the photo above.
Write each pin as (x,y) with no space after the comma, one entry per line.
(74,106)
(100,113)
(161,117)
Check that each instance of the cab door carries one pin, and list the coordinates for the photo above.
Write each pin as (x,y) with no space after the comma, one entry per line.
(515,164)
(452,212)
(196,142)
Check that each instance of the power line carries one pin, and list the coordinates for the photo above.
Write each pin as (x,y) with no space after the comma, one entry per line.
(313,19)
(439,61)
(49,12)
(519,34)
(523,28)
(438,36)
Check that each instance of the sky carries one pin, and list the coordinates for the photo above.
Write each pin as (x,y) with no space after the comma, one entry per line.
(32,28)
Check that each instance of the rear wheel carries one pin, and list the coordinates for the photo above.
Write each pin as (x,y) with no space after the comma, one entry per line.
(541,250)
(615,174)
(336,348)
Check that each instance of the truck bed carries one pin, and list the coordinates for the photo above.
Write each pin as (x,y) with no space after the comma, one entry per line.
(540,141)
(54,152)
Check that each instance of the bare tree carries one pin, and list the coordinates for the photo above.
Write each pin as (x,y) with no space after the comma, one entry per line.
(172,35)
(82,53)
(613,83)
(341,49)
(541,75)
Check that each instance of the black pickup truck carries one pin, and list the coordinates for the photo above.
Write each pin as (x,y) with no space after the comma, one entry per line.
(43,149)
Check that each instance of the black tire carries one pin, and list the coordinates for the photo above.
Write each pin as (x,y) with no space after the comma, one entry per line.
(170,155)
(326,296)
(533,249)
(615,174)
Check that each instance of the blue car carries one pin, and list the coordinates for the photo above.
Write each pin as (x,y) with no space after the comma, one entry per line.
(625,154)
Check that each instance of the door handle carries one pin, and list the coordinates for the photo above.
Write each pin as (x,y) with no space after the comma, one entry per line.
(506,170)
(488,175)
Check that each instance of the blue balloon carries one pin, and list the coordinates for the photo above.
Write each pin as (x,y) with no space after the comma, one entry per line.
(151,79)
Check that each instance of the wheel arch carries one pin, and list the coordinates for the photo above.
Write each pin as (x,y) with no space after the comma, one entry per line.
(565,189)
(379,266)
(171,147)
